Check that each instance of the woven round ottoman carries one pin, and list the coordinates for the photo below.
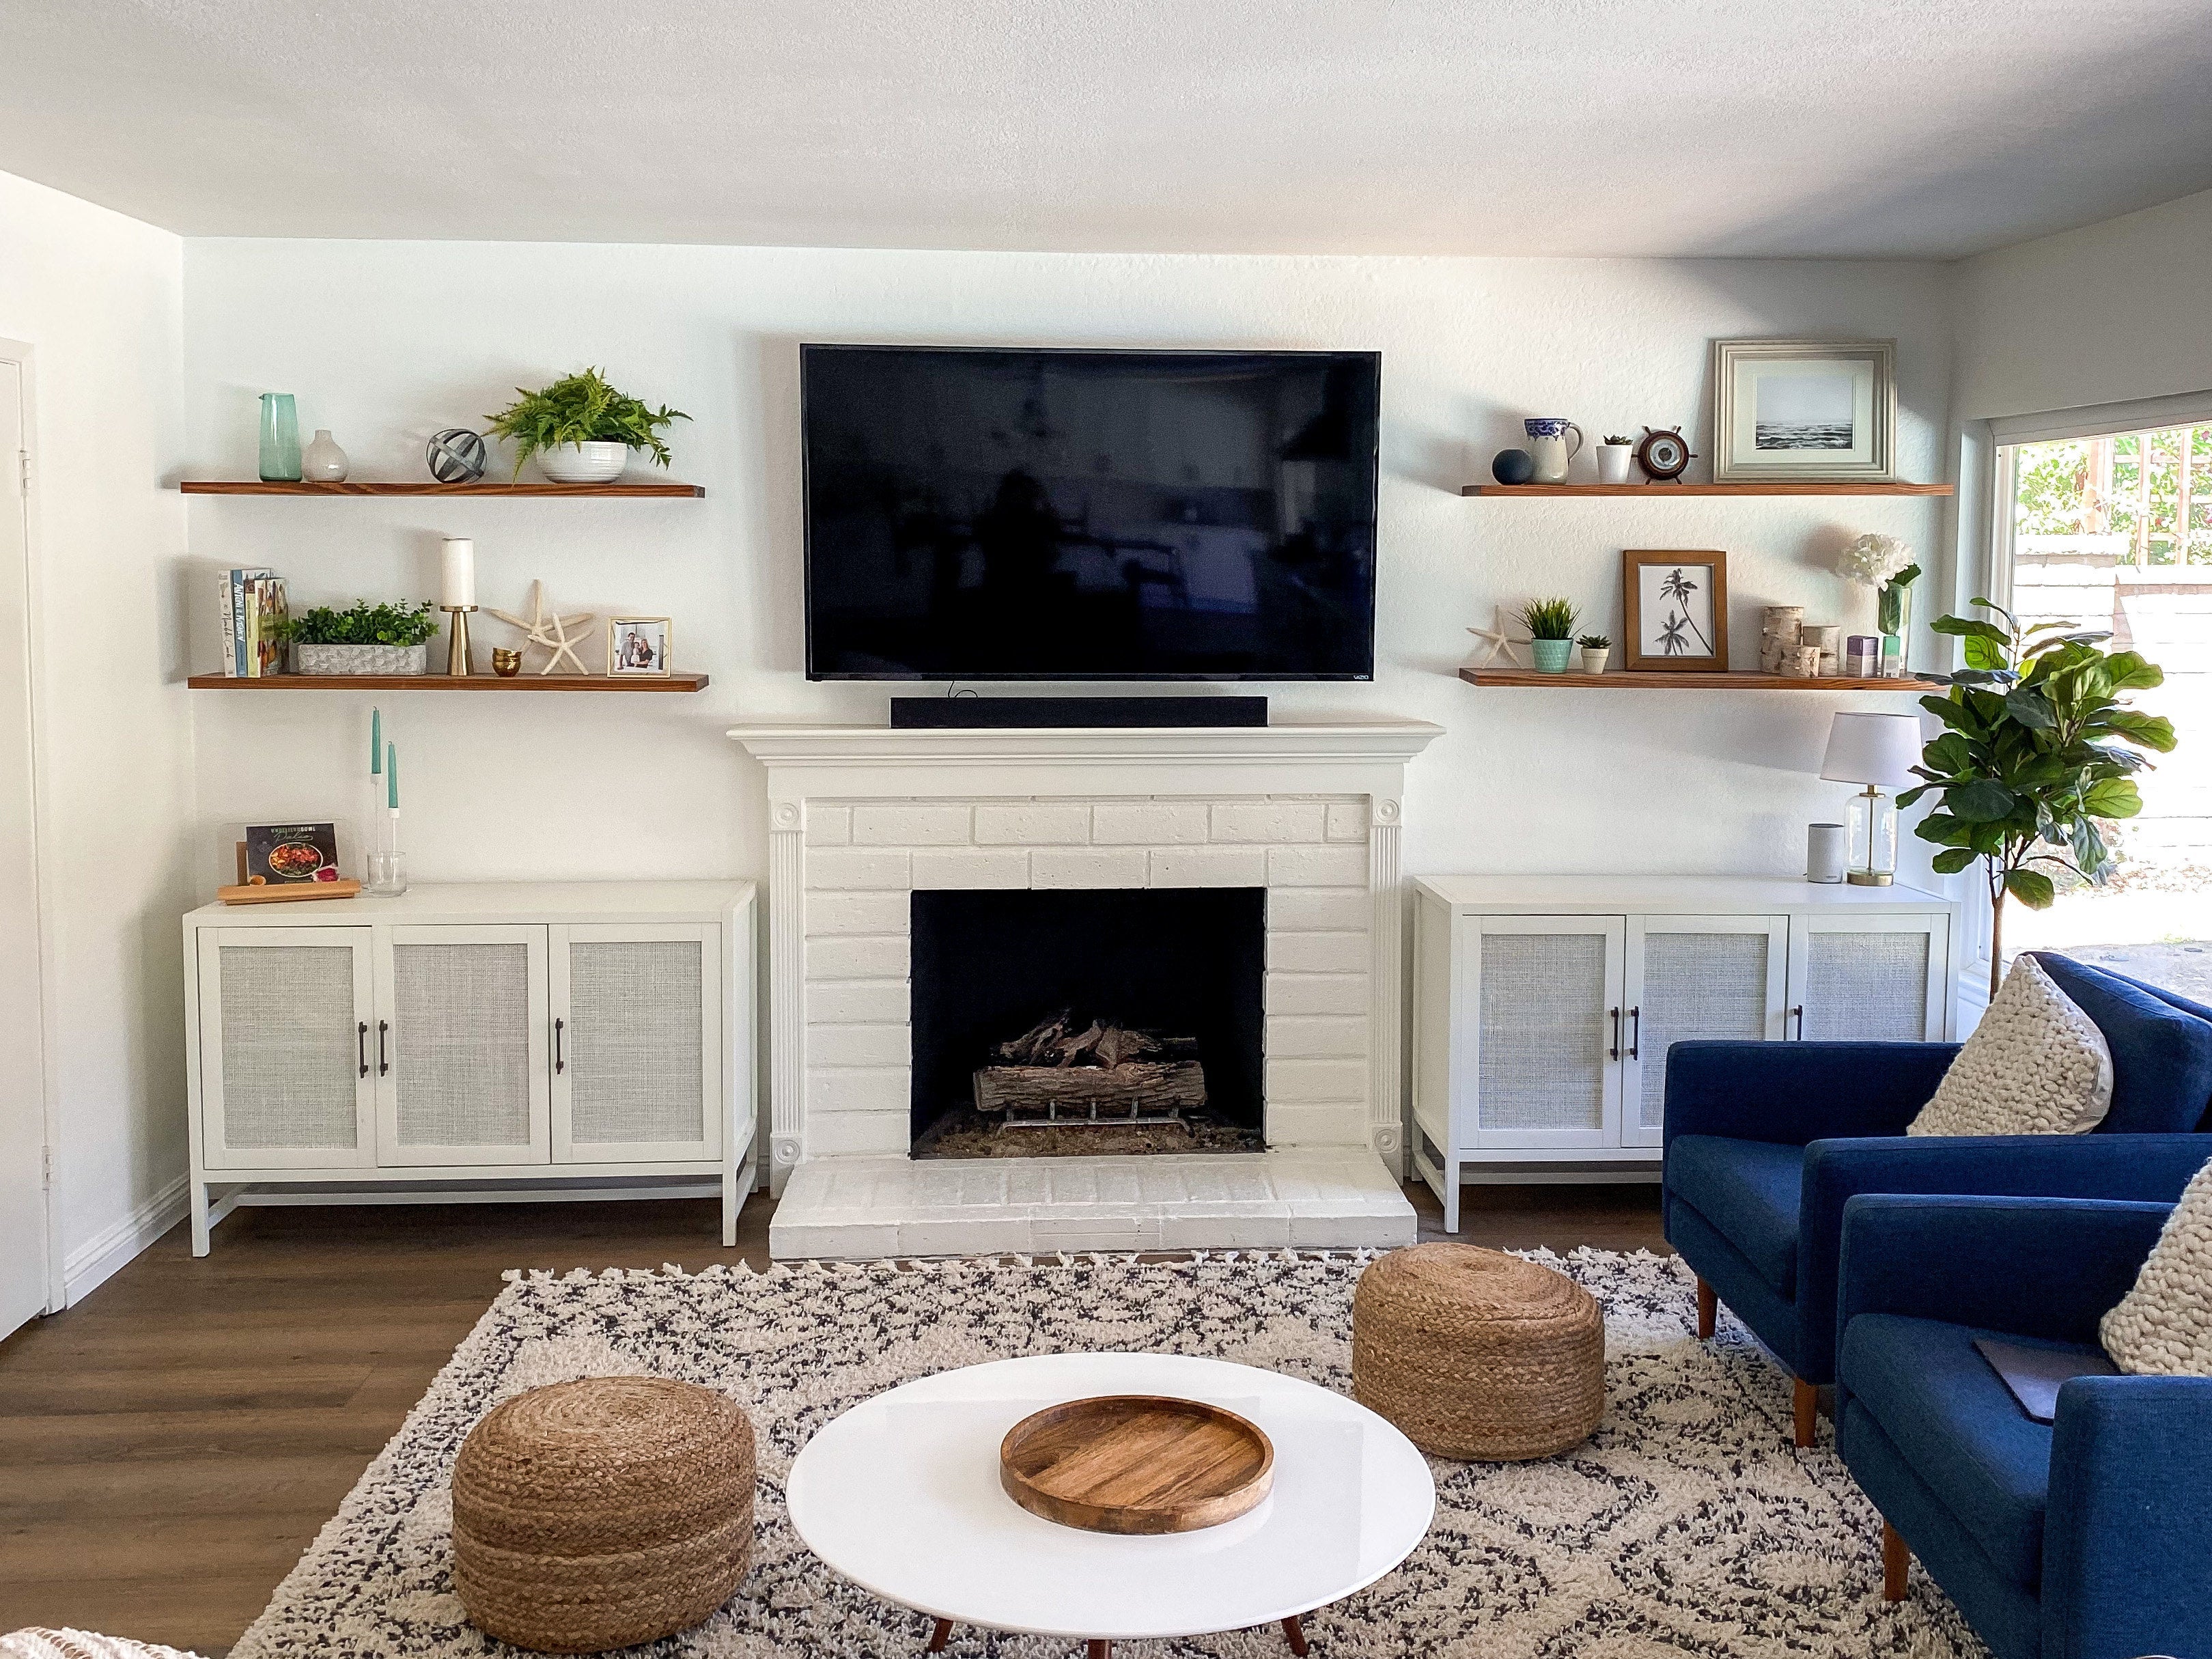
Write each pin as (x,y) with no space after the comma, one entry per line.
(595,1515)
(1477,1354)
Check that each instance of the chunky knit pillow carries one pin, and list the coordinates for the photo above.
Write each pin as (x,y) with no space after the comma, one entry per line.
(2035,1066)
(2163,1326)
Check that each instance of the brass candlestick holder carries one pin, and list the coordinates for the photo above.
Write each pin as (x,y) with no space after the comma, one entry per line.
(460,658)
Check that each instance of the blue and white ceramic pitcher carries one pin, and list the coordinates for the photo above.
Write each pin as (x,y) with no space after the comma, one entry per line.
(1547,444)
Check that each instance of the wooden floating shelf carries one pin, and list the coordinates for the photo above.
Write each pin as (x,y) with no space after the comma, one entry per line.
(1777,487)
(1743,680)
(255,486)
(450,683)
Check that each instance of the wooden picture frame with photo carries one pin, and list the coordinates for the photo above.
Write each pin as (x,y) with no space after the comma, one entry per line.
(626,637)
(1806,410)
(1674,621)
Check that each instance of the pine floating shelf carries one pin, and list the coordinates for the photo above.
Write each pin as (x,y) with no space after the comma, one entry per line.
(1662,680)
(450,683)
(1665,489)
(255,486)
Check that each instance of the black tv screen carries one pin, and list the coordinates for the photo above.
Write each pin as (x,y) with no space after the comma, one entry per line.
(981,514)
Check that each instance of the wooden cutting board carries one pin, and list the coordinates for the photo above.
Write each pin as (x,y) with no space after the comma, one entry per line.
(1136,1463)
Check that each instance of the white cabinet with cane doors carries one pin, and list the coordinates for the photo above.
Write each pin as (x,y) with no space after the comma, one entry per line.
(1544,1006)
(593,1039)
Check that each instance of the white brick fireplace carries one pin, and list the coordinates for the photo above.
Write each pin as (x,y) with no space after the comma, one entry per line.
(862,818)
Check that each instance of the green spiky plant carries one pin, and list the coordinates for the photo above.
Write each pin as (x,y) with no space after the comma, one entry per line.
(582,409)
(1549,619)
(1594,642)
(2036,754)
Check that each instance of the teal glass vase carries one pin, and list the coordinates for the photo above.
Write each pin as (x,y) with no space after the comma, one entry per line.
(280,438)
(1893,621)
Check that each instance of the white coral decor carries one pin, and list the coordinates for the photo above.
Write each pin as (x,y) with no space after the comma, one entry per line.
(1872,560)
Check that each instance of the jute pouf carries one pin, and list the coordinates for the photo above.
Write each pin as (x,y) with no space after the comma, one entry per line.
(1477,1354)
(595,1515)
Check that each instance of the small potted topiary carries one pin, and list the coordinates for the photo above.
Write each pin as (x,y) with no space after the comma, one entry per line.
(1550,625)
(581,429)
(367,639)
(1596,649)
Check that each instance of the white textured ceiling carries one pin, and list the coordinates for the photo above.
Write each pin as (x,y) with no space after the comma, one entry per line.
(1792,127)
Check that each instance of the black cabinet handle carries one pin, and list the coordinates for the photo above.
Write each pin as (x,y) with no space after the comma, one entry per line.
(361,1046)
(1636,1033)
(383,1061)
(1613,1053)
(1798,1013)
(560,1063)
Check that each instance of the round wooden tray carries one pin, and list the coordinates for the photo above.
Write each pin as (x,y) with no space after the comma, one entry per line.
(1136,1463)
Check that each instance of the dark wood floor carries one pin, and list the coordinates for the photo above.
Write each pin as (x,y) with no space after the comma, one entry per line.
(171,1444)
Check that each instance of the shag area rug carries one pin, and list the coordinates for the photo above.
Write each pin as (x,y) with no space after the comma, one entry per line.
(1686,1526)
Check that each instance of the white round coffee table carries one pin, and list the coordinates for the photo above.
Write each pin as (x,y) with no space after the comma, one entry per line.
(901,1495)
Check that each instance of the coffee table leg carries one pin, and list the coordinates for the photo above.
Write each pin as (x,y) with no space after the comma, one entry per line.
(1098,1649)
(1295,1633)
(939,1637)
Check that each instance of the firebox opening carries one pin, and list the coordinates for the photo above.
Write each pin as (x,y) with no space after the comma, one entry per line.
(1097,1020)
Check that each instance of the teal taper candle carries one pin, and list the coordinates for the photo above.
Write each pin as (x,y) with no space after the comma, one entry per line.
(392,777)
(376,741)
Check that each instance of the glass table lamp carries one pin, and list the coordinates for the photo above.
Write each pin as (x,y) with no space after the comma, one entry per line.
(1879,750)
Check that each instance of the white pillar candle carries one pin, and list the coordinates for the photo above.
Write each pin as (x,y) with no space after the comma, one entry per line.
(457,573)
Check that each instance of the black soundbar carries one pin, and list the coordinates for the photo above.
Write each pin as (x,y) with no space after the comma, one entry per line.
(971,714)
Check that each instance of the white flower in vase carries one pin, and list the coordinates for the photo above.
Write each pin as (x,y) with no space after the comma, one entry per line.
(1875,561)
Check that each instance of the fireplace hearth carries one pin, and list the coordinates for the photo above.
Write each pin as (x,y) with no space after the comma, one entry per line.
(1057,1024)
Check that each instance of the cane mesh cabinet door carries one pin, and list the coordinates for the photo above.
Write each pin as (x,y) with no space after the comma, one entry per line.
(1695,979)
(461,1049)
(285,1034)
(1869,979)
(638,1038)
(1548,1029)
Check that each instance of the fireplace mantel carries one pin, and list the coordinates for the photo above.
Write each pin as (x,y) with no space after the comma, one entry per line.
(861,817)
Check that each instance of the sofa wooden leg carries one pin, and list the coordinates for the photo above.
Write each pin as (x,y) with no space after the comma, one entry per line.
(1896,1563)
(1708,1308)
(1804,1409)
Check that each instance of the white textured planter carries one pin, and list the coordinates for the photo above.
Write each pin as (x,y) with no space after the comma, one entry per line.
(584,463)
(360,659)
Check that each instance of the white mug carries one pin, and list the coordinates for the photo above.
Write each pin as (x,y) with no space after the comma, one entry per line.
(1547,444)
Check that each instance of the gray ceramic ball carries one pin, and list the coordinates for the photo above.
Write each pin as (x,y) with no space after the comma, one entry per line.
(1513,466)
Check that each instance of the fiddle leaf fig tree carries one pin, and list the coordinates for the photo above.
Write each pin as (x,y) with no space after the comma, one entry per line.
(2037,749)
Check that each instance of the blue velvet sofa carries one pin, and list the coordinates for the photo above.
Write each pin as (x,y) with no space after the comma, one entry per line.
(1766,1142)
(2086,1538)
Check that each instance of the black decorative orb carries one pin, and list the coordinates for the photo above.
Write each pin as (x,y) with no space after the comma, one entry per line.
(455,456)
(1513,466)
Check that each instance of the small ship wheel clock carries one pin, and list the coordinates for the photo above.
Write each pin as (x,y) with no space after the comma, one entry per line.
(1664,456)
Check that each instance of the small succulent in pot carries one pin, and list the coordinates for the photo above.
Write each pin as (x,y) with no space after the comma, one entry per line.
(1616,438)
(1596,649)
(1550,625)
(1614,456)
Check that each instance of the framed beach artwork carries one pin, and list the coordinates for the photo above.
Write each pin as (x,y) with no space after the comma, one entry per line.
(1806,410)
(1675,605)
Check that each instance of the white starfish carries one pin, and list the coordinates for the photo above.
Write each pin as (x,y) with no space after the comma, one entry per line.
(1496,638)
(549,632)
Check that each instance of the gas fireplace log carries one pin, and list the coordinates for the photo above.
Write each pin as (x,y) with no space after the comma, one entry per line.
(1103,1043)
(1149,1087)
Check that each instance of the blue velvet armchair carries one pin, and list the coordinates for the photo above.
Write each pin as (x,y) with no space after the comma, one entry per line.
(1766,1142)
(2085,1538)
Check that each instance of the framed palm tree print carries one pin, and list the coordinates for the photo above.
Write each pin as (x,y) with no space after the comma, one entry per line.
(1675,608)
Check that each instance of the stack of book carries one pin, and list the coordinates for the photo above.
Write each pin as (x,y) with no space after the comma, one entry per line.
(252,604)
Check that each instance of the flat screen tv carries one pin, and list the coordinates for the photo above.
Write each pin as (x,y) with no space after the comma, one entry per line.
(985,514)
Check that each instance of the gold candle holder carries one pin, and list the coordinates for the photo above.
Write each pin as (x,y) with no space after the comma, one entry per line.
(461,659)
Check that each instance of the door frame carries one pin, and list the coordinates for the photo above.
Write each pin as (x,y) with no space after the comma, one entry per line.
(46,1039)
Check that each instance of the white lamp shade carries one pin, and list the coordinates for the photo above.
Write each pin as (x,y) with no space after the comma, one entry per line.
(1877,748)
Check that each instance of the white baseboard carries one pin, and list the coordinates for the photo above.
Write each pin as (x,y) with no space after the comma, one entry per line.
(101,1257)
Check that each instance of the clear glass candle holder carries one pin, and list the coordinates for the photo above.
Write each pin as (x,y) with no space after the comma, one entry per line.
(387,874)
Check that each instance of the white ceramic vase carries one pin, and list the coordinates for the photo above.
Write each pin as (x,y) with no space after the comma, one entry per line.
(323,461)
(597,463)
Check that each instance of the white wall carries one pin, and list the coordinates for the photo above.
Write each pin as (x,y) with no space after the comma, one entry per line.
(2107,313)
(99,299)
(385,342)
